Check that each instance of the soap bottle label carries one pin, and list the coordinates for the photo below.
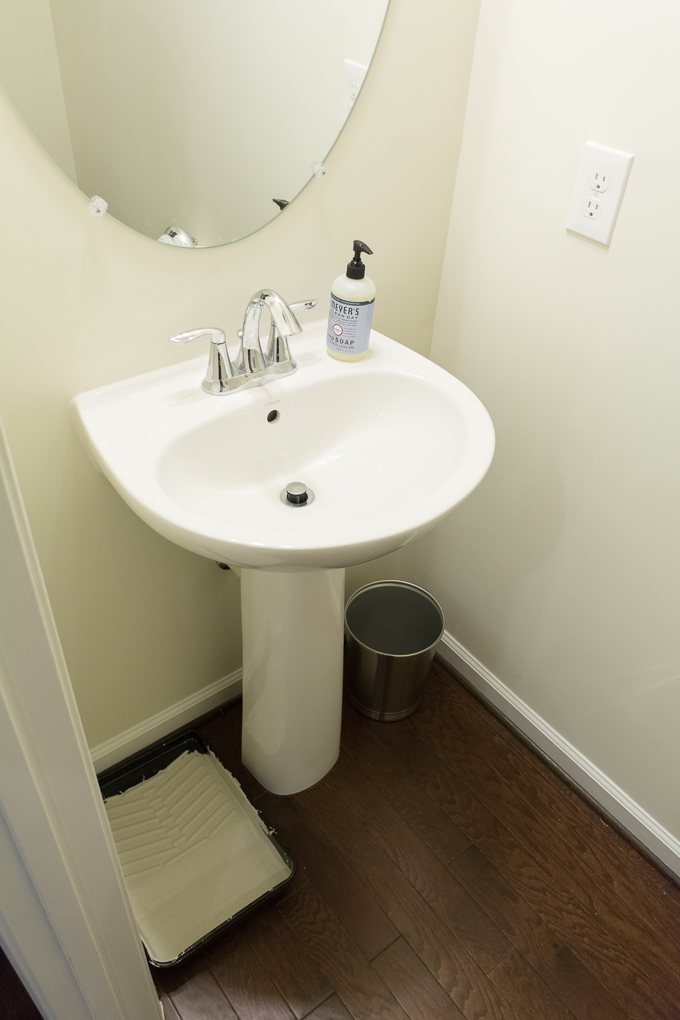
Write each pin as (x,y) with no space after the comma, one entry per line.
(349,325)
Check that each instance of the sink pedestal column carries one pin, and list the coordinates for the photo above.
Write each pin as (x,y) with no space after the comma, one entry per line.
(293,626)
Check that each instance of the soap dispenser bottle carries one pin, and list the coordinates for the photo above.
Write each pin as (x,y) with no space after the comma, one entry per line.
(351,310)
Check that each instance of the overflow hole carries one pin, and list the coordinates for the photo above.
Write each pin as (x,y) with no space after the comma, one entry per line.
(273,416)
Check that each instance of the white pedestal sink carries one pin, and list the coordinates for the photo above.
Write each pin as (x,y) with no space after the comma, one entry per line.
(389,445)
(292,675)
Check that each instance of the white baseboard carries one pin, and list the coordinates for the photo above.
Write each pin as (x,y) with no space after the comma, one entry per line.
(173,718)
(614,801)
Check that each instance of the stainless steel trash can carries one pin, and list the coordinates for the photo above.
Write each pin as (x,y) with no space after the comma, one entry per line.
(391,631)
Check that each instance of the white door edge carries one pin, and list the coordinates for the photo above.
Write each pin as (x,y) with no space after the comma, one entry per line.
(65,918)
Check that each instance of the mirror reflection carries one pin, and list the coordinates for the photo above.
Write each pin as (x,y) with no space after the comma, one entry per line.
(204,117)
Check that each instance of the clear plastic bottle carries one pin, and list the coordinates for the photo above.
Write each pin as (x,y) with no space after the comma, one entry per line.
(351,310)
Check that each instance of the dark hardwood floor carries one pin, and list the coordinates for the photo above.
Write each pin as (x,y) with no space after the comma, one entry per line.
(15,1002)
(444,872)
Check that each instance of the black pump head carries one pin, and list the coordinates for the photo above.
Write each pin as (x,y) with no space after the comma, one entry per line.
(356,270)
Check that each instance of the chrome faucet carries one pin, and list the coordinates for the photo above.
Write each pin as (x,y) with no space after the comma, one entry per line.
(219,375)
(252,367)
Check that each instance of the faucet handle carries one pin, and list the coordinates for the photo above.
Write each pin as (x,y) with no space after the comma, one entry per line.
(216,335)
(219,375)
(279,359)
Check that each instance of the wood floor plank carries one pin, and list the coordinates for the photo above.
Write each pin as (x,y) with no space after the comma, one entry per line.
(467,920)
(169,1011)
(15,1002)
(250,989)
(350,901)
(606,917)
(571,820)
(449,790)
(331,1009)
(426,933)
(596,948)
(286,960)
(413,985)
(201,998)
(398,786)
(354,979)
(518,980)
(561,970)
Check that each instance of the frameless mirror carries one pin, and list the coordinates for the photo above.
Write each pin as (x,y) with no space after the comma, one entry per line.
(205,116)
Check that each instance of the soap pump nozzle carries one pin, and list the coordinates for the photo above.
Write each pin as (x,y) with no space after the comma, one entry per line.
(356,270)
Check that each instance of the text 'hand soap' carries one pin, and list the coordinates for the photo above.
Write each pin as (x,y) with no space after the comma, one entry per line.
(351,311)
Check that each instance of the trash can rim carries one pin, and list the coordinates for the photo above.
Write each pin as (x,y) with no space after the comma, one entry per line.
(402,584)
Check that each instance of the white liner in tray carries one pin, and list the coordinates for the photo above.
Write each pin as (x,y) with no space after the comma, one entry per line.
(194,852)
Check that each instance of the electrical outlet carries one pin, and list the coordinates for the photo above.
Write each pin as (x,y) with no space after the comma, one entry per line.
(592,207)
(599,180)
(600,184)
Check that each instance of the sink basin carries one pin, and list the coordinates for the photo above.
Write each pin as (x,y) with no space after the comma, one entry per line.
(388,446)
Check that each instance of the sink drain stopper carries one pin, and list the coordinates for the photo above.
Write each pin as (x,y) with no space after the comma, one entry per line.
(297,494)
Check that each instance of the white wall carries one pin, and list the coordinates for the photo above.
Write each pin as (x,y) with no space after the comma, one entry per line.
(198,115)
(86,301)
(561,573)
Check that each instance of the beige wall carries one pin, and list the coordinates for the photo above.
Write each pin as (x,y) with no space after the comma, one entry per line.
(198,115)
(87,301)
(30,75)
(561,573)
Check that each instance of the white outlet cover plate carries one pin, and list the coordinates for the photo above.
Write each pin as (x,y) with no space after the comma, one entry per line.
(616,165)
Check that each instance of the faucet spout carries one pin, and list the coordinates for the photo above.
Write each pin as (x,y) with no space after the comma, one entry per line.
(251,359)
(282,315)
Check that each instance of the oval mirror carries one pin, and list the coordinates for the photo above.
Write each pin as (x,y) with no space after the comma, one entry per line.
(206,117)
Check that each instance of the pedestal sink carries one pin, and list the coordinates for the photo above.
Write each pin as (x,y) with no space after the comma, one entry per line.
(388,445)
